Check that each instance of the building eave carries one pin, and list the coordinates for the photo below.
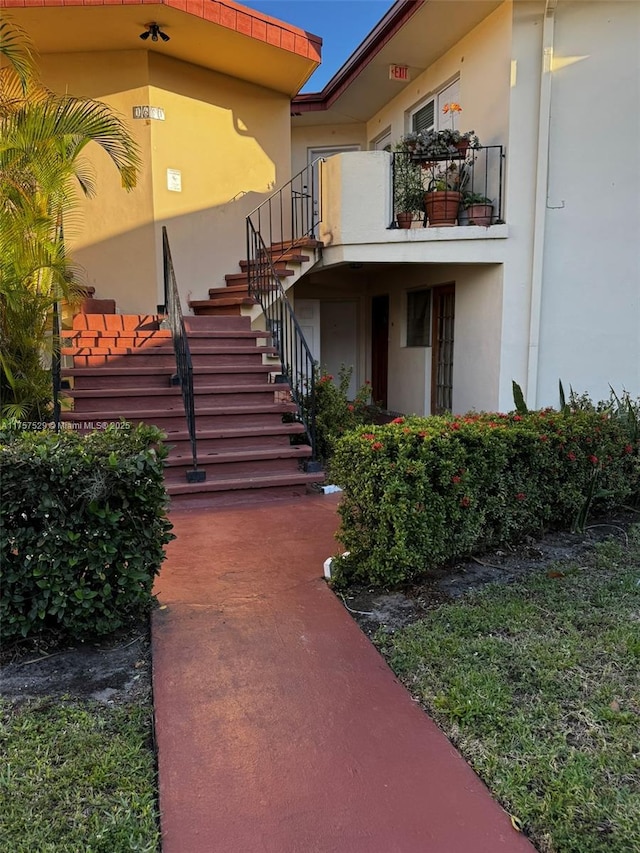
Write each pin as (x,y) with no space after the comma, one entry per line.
(387,27)
(281,56)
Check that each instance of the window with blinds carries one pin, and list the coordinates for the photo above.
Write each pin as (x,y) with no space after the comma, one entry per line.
(424,118)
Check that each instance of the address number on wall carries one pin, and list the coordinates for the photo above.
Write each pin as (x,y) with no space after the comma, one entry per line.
(149,112)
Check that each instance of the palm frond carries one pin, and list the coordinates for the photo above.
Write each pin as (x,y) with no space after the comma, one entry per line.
(17,50)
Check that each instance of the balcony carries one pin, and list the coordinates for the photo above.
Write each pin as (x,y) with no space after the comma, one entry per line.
(474,173)
(359,223)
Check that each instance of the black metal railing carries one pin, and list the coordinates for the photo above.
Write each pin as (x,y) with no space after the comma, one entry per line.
(56,372)
(477,173)
(292,213)
(298,365)
(56,365)
(288,218)
(184,365)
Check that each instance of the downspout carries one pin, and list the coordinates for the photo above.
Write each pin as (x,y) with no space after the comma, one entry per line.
(542,186)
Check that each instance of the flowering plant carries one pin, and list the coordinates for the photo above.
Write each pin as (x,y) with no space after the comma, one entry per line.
(451,109)
(440,144)
(335,412)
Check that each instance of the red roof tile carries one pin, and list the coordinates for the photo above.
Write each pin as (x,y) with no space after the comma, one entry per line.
(225,12)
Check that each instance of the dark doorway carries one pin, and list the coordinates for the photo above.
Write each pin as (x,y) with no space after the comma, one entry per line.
(379,348)
(442,343)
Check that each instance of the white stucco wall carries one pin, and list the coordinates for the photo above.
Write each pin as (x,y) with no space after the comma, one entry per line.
(476,355)
(482,62)
(356,197)
(476,334)
(476,351)
(556,289)
(590,311)
(572,277)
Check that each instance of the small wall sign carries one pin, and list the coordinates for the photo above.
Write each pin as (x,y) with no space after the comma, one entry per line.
(174,180)
(144,111)
(399,72)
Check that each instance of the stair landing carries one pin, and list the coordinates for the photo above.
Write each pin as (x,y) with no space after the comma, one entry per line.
(289,261)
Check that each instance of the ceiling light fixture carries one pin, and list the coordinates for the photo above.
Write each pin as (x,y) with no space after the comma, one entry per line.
(154,31)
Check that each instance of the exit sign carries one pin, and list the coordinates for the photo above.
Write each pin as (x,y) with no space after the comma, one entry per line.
(399,72)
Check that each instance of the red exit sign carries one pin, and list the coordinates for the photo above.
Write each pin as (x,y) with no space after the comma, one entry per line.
(399,72)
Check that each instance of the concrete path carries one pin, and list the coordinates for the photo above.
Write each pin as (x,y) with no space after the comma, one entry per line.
(280,729)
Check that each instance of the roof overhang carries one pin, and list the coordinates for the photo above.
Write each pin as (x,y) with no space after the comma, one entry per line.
(414,33)
(221,36)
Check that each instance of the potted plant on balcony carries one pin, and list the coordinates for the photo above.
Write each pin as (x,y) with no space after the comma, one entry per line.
(448,143)
(444,194)
(408,189)
(430,146)
(478,209)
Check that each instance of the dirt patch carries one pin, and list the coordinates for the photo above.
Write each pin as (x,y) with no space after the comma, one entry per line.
(112,671)
(375,609)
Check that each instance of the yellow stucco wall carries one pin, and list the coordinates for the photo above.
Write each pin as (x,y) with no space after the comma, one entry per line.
(230,141)
(112,236)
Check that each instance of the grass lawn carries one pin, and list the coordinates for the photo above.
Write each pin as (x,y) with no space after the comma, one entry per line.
(77,777)
(538,685)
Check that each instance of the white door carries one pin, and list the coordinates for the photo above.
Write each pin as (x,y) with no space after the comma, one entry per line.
(307,312)
(383,143)
(339,339)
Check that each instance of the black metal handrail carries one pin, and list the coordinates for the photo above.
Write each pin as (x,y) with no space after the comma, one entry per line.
(56,367)
(292,213)
(56,372)
(298,365)
(184,365)
(288,218)
(481,170)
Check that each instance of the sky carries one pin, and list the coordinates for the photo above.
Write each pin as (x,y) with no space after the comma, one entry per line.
(341,24)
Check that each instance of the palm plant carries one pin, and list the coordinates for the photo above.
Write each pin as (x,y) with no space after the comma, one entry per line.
(42,138)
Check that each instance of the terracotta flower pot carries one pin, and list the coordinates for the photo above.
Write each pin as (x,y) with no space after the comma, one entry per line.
(480,214)
(442,207)
(404,219)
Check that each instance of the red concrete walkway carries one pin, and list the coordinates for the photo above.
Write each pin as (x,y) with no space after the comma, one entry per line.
(279,727)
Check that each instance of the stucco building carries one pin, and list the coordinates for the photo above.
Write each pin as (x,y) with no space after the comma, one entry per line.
(433,316)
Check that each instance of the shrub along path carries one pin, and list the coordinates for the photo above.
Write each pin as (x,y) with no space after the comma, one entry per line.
(279,727)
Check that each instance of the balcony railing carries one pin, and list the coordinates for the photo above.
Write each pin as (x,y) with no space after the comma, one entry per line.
(476,173)
(292,213)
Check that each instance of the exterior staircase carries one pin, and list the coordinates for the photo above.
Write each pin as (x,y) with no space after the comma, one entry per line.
(124,368)
(289,260)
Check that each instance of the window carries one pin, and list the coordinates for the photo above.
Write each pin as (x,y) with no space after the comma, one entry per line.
(382,142)
(419,318)
(429,115)
(423,119)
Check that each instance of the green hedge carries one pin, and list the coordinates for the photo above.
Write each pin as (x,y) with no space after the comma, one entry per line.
(422,491)
(82,529)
